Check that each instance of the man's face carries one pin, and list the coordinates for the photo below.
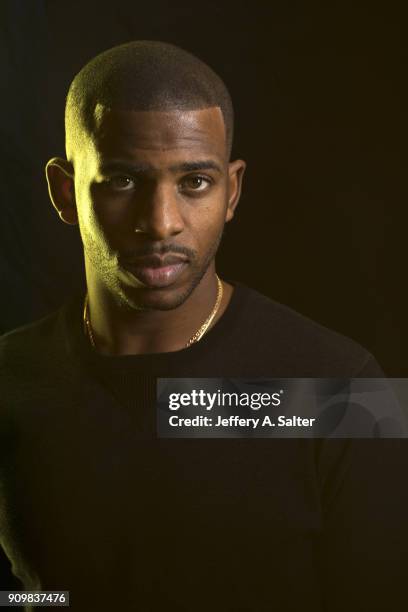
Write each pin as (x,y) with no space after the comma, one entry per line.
(167,174)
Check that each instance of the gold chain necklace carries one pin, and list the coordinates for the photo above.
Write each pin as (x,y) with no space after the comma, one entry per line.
(195,338)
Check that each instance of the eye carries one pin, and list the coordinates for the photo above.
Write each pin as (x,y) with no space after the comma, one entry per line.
(195,183)
(121,183)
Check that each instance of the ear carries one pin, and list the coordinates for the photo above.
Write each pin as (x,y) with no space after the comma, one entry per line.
(236,171)
(61,187)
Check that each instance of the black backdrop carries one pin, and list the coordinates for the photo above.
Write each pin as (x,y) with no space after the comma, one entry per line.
(319,94)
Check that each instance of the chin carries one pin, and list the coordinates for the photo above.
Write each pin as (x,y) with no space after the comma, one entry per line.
(156,299)
(138,296)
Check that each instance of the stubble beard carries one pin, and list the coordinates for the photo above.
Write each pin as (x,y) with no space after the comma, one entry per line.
(104,265)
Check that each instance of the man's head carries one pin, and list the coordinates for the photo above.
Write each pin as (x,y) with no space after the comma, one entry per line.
(148,138)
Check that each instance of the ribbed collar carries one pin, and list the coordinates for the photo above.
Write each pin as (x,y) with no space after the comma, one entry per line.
(80,348)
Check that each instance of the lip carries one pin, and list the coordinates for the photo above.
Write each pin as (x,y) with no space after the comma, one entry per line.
(157,272)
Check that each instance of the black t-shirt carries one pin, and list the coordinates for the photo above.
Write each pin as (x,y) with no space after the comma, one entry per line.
(92,501)
(256,336)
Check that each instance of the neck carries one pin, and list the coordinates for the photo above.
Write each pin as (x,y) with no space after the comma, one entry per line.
(120,330)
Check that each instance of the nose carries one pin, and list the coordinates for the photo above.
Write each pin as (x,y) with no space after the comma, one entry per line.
(159,215)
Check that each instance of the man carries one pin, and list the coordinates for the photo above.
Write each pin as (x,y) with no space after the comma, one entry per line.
(92,501)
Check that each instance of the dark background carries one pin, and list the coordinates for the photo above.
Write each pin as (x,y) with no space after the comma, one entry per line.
(319,94)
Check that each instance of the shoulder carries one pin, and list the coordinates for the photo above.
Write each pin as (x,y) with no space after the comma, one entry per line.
(25,348)
(303,347)
(36,368)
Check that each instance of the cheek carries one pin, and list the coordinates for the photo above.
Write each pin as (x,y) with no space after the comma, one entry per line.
(106,220)
(208,224)
(95,242)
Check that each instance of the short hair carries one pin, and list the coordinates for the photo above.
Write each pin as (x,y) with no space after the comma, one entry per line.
(143,75)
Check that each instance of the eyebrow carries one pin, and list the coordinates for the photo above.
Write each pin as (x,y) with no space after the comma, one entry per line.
(135,169)
(206,164)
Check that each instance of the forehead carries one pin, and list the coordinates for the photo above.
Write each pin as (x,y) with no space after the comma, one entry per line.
(157,135)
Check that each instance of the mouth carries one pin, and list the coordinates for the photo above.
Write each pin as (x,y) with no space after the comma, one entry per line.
(156,272)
